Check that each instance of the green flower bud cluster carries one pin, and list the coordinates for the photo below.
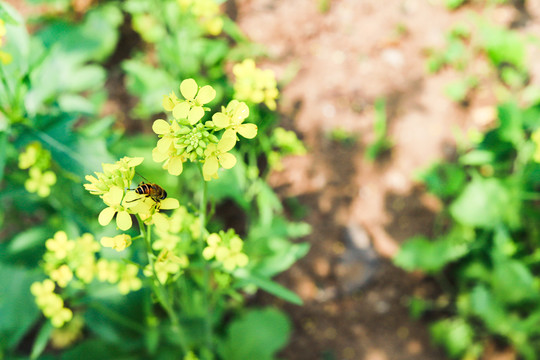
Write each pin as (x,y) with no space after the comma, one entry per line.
(186,137)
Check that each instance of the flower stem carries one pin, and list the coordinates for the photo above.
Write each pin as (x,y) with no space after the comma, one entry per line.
(159,289)
(206,269)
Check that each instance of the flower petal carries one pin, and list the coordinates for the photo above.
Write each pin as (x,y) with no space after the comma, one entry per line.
(226,143)
(175,165)
(241,112)
(161,221)
(227,160)
(249,131)
(206,94)
(188,88)
(164,144)
(169,203)
(181,110)
(195,114)
(158,156)
(114,196)
(106,215)
(123,220)
(210,166)
(221,120)
(161,127)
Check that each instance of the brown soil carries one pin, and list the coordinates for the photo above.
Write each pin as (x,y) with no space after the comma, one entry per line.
(346,58)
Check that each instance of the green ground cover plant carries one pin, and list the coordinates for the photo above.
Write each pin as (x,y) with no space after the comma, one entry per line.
(115,242)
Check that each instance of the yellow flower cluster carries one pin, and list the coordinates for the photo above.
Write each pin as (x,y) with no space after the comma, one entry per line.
(226,248)
(185,137)
(38,161)
(67,261)
(63,337)
(50,303)
(5,58)
(255,85)
(112,185)
(207,12)
(167,264)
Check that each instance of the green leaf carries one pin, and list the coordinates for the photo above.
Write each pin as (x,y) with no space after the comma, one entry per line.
(258,334)
(487,203)
(18,312)
(456,335)
(420,253)
(95,349)
(42,339)
(510,124)
(3,148)
(444,179)
(149,84)
(477,157)
(504,46)
(267,285)
(513,282)
(28,246)
(454,4)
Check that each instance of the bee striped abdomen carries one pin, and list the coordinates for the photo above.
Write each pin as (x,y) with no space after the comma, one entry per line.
(153,191)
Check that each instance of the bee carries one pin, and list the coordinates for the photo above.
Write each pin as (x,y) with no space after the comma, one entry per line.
(153,191)
(150,190)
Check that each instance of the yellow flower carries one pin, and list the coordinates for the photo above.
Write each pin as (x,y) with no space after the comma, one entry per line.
(254,84)
(128,279)
(217,155)
(192,108)
(118,243)
(226,248)
(40,182)
(59,245)
(232,119)
(62,276)
(114,199)
(108,271)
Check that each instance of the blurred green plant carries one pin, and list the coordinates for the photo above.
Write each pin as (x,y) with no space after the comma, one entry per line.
(486,256)
(381,143)
(504,49)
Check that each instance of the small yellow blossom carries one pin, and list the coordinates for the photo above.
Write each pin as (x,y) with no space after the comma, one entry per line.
(192,108)
(217,155)
(62,276)
(59,245)
(115,206)
(255,85)
(232,118)
(108,271)
(226,248)
(118,243)
(50,303)
(128,280)
(40,182)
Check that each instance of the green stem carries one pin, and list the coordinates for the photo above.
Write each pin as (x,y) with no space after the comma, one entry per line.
(206,269)
(159,290)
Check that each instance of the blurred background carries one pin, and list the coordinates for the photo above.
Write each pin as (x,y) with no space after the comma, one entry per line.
(420,177)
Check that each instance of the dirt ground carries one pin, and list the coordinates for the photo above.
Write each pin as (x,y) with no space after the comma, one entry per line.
(346,58)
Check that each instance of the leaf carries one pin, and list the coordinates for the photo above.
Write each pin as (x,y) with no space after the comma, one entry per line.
(149,84)
(456,335)
(444,179)
(513,282)
(510,124)
(258,334)
(503,46)
(487,203)
(42,339)
(454,4)
(477,157)
(420,253)
(27,247)
(267,285)
(3,148)
(18,312)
